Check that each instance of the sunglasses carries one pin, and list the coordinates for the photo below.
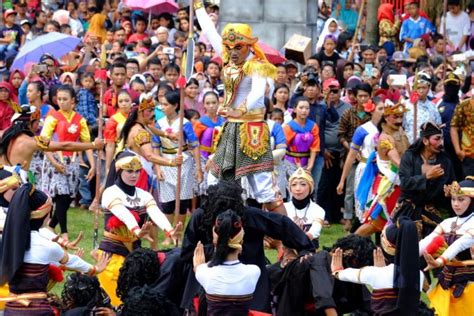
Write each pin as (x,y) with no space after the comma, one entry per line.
(335,91)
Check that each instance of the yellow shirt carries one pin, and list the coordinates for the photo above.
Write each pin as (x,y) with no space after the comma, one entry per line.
(51,122)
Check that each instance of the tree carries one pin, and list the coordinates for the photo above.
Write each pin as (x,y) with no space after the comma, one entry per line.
(372,22)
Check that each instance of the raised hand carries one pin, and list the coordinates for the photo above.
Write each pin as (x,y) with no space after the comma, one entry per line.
(379,259)
(199,257)
(336,262)
(102,262)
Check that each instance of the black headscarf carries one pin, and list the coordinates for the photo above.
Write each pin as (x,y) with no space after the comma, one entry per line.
(451,93)
(406,278)
(115,177)
(17,230)
(301,204)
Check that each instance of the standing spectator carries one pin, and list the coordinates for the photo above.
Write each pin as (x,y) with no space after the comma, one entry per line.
(328,52)
(415,26)
(8,105)
(161,36)
(319,113)
(346,15)
(11,35)
(389,24)
(40,22)
(140,28)
(26,28)
(333,153)
(331,27)
(425,109)
(368,55)
(323,15)
(21,10)
(86,105)
(118,74)
(350,120)
(458,26)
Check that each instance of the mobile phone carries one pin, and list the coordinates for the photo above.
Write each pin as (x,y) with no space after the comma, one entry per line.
(398,80)
(459,57)
(40,68)
(168,50)
(368,70)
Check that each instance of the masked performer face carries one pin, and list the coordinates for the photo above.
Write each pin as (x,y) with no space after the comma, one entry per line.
(237,41)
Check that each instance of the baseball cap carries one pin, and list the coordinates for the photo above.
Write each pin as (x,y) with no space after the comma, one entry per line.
(331,82)
(9,12)
(25,21)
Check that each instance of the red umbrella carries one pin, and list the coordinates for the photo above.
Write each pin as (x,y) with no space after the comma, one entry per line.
(272,55)
(153,6)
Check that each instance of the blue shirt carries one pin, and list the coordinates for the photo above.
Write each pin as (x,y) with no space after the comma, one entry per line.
(415,29)
(426,111)
(86,106)
(446,111)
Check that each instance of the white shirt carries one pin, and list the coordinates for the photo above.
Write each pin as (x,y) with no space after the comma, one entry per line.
(465,228)
(230,278)
(44,251)
(312,216)
(456,27)
(376,277)
(119,203)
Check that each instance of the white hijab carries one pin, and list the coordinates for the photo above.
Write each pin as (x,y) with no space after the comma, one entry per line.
(325,32)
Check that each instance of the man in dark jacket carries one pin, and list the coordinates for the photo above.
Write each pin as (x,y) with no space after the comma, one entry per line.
(424,170)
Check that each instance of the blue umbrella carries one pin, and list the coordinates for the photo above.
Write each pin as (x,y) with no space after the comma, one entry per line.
(54,43)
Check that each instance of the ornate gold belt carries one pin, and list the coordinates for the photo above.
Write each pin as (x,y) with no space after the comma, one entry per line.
(257,115)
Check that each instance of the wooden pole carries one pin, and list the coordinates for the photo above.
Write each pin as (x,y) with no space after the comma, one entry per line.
(445,11)
(355,39)
(181,108)
(98,172)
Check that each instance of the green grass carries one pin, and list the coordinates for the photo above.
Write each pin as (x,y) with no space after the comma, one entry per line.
(82,220)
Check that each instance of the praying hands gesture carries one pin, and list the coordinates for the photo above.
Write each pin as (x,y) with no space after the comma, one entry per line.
(379,259)
(336,262)
(199,257)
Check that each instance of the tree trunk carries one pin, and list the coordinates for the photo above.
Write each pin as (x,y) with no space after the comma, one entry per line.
(372,23)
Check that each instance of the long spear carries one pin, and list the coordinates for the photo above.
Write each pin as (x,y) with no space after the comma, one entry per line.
(187,66)
(101,76)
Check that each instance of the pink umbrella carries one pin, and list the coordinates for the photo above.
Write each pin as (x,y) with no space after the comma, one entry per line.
(272,55)
(153,6)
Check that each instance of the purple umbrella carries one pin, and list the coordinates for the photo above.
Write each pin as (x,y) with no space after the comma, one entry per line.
(54,43)
(153,6)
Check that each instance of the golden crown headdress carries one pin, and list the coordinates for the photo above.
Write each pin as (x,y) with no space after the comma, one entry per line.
(455,189)
(132,163)
(392,108)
